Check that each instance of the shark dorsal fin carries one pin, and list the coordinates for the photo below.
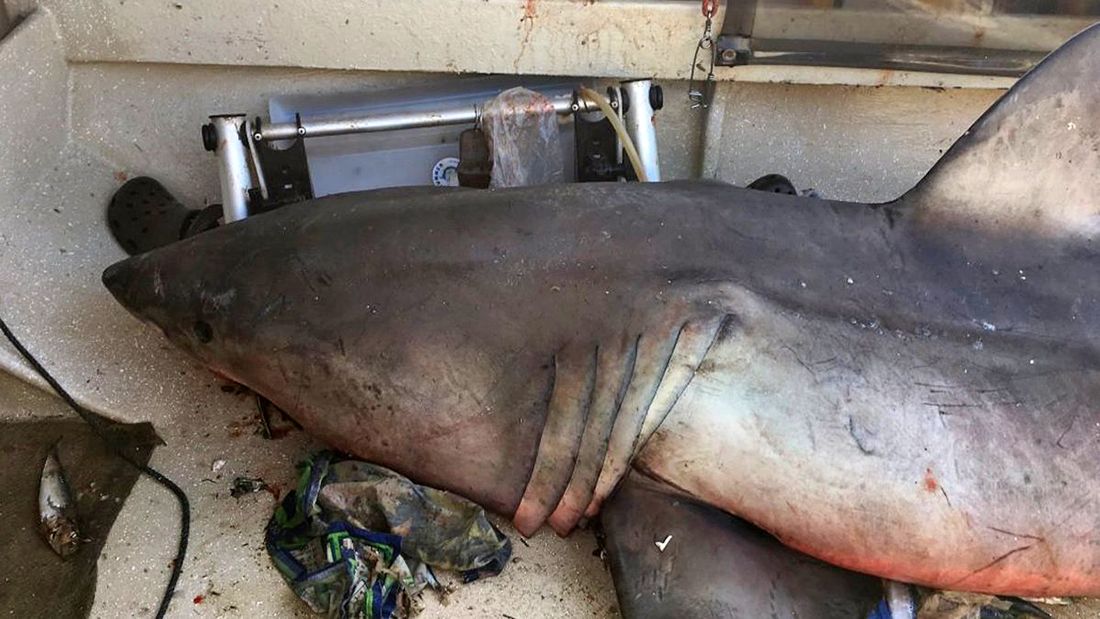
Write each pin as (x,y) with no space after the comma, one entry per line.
(1031,162)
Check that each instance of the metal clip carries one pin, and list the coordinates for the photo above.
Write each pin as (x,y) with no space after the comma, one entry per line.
(701,97)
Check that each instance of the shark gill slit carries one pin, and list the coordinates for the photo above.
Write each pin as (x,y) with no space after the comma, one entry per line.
(694,345)
(614,368)
(566,417)
(654,355)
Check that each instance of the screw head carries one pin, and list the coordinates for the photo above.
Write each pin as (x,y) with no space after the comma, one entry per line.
(301,130)
(729,55)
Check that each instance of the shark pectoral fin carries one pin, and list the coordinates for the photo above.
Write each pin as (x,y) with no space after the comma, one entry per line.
(567,414)
(1028,164)
(673,557)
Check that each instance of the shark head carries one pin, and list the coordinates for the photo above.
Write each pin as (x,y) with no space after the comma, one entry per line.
(177,298)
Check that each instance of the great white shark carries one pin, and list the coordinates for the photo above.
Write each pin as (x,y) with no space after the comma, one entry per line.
(909,390)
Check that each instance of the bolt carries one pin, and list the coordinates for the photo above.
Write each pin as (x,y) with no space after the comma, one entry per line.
(729,55)
(301,130)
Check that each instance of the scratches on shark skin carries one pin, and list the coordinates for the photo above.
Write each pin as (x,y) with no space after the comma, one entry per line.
(1000,559)
(773,585)
(942,415)
(799,360)
(268,309)
(303,271)
(664,573)
(810,432)
(1052,372)
(810,366)
(852,430)
(1019,535)
(1057,400)
(938,385)
(1061,436)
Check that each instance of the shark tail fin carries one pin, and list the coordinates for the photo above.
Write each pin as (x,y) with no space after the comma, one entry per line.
(1031,162)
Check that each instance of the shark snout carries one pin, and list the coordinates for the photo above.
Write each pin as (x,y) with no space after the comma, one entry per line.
(118,277)
(137,284)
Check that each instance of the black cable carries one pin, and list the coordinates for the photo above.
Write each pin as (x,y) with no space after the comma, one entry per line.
(91,419)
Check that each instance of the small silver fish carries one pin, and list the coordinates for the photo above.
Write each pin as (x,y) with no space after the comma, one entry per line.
(56,509)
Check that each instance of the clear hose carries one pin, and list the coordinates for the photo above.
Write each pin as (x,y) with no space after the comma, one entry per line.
(624,137)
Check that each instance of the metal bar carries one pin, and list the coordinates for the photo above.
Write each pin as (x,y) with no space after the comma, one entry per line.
(739,18)
(638,121)
(236,179)
(460,115)
(801,52)
(255,158)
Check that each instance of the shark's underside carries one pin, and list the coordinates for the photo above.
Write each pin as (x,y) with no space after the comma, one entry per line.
(906,390)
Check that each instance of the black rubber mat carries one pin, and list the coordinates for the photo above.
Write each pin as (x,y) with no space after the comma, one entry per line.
(34,581)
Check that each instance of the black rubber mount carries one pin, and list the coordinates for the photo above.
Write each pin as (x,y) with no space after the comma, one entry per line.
(209,137)
(774,183)
(656,97)
(143,216)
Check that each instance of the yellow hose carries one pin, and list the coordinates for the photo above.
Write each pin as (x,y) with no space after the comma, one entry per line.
(624,137)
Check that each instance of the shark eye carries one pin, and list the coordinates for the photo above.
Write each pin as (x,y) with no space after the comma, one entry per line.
(203,332)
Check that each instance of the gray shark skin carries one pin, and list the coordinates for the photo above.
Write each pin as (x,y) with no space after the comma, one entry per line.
(907,390)
(714,565)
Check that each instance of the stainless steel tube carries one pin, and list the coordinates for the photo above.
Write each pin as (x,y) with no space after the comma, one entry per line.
(638,121)
(236,179)
(459,115)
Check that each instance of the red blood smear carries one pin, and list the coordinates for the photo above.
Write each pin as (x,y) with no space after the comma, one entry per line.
(199,598)
(930,484)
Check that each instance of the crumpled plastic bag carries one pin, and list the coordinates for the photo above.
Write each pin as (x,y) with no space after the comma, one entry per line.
(355,540)
(959,605)
(522,128)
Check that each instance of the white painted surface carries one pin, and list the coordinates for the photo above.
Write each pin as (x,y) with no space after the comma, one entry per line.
(614,38)
(609,38)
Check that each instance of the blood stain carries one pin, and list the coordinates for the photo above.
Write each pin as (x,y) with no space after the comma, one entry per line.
(930,484)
